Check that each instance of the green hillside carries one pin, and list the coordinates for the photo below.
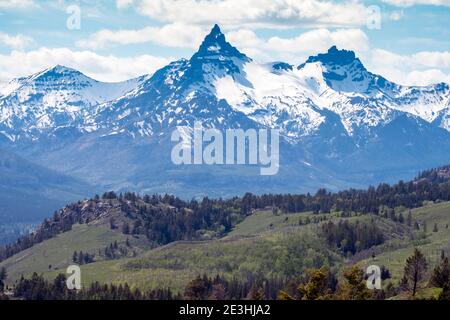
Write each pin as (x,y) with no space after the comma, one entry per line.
(275,245)
(394,253)
(56,253)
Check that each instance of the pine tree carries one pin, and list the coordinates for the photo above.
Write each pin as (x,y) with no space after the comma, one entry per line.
(256,292)
(198,289)
(126,228)
(3,276)
(409,219)
(415,269)
(445,294)
(219,292)
(435,228)
(441,274)
(80,257)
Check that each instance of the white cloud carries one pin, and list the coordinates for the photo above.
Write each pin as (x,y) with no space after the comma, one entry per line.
(432,59)
(322,39)
(409,3)
(21,4)
(263,13)
(426,77)
(121,4)
(171,35)
(105,68)
(396,15)
(15,42)
(422,68)
(297,48)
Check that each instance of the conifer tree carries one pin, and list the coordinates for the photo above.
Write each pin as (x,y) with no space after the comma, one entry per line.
(441,274)
(414,271)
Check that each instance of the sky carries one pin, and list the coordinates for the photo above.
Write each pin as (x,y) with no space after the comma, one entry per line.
(406,41)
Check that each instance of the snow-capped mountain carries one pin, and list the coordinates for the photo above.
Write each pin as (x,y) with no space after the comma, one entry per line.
(341,124)
(223,87)
(54,99)
(222,84)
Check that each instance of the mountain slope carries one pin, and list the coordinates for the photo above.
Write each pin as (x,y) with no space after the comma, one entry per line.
(53,101)
(265,242)
(29,192)
(341,125)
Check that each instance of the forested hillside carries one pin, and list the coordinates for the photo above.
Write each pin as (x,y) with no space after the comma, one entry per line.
(164,219)
(256,245)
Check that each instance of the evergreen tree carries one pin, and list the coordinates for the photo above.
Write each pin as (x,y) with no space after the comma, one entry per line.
(445,294)
(198,289)
(409,220)
(3,276)
(126,228)
(256,292)
(435,228)
(414,271)
(80,257)
(441,274)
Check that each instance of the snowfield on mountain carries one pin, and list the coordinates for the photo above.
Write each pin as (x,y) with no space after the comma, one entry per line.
(341,125)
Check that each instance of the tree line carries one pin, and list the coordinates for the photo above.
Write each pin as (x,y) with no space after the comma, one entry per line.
(166,218)
(314,284)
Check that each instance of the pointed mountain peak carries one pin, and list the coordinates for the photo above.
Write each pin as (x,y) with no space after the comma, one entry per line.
(215,44)
(215,31)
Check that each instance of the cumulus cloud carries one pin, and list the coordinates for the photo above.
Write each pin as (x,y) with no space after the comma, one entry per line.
(121,4)
(171,35)
(422,68)
(410,3)
(396,15)
(15,42)
(322,39)
(21,4)
(105,68)
(263,13)
(297,48)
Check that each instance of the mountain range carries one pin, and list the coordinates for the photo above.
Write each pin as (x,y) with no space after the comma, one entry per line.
(341,125)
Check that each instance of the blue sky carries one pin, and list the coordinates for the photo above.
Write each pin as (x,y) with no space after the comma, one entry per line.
(408,41)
